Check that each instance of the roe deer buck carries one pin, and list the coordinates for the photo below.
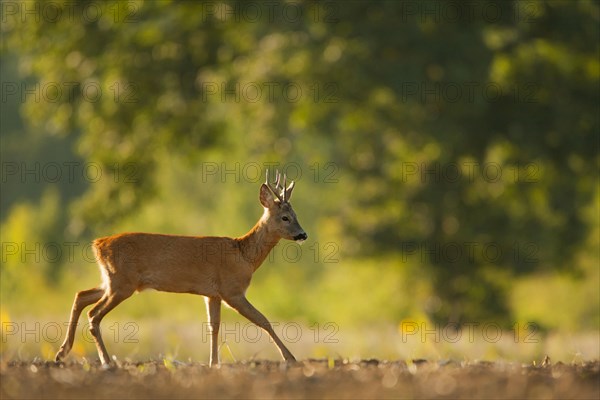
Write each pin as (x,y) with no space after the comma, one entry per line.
(219,268)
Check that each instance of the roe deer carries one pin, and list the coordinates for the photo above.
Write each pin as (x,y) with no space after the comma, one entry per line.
(219,268)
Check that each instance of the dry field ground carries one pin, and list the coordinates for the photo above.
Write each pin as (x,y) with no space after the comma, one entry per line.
(327,378)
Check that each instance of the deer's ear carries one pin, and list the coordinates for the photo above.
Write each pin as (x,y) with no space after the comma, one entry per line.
(266,197)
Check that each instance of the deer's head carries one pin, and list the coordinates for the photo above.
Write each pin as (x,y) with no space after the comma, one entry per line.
(275,198)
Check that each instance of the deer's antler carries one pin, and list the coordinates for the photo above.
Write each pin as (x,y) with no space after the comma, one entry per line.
(274,189)
(279,190)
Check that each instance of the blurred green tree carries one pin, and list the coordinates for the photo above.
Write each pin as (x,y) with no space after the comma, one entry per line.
(461,137)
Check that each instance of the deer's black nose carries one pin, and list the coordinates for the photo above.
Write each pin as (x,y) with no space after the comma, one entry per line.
(301,236)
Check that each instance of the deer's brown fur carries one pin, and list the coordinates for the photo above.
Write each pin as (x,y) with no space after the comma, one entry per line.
(219,268)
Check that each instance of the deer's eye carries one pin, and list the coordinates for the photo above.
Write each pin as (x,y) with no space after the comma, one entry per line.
(285,218)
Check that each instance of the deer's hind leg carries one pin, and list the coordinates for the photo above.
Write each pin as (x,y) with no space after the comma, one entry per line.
(110,299)
(82,300)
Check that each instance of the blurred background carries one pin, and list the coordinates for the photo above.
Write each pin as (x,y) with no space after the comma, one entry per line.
(445,157)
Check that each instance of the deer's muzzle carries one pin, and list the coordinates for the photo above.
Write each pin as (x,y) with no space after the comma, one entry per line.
(301,237)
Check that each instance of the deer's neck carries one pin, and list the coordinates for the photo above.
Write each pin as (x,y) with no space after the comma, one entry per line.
(258,242)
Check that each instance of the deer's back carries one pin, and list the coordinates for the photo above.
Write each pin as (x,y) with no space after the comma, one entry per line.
(172,263)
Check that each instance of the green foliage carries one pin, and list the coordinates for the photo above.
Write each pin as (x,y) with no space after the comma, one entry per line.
(32,253)
(379,133)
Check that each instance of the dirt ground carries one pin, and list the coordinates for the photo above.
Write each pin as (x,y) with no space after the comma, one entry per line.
(372,379)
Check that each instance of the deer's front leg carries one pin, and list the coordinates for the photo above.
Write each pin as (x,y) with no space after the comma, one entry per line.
(243,306)
(213,308)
